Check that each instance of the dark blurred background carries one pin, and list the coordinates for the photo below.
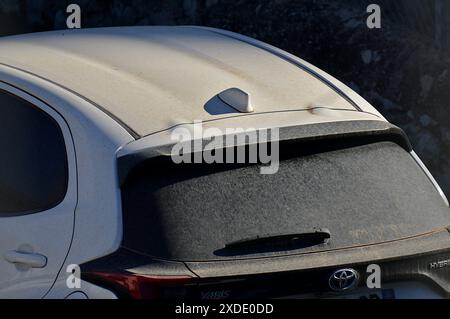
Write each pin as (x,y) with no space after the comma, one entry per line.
(403,69)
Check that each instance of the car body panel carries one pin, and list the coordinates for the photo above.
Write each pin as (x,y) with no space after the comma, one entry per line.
(100,64)
(47,233)
(249,122)
(354,98)
(96,138)
(434,242)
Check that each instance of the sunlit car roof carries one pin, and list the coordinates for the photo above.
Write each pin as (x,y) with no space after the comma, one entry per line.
(152,78)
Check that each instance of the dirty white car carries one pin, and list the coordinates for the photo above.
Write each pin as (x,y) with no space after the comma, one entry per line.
(87,181)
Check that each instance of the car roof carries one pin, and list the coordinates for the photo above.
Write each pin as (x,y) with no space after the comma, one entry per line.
(154,78)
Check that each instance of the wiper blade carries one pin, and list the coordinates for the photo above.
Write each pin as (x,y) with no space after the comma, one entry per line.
(301,240)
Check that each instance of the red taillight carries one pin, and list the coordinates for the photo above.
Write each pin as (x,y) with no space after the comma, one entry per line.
(142,286)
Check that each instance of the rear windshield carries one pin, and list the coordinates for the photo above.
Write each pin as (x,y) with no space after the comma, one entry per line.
(363,195)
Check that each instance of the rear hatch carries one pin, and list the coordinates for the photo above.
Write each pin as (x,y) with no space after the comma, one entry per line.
(360,195)
(216,231)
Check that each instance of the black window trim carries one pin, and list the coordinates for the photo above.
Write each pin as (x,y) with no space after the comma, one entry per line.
(23,97)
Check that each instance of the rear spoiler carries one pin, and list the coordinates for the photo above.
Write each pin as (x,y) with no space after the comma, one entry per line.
(331,135)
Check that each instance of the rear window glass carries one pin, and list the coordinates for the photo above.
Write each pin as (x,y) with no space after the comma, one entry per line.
(363,194)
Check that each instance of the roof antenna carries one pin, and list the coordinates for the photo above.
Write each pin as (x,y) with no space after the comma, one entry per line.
(237,99)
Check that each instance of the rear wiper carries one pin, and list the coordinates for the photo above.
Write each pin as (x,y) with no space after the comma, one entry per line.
(301,240)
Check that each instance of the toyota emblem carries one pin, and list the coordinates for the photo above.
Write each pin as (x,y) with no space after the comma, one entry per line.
(343,279)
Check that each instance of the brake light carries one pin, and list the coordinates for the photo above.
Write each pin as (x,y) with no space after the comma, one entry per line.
(142,286)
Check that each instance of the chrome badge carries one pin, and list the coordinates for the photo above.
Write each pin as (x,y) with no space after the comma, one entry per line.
(343,279)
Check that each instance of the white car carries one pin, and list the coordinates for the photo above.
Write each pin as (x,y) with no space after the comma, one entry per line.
(87,182)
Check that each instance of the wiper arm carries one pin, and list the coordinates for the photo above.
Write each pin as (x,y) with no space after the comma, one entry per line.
(302,240)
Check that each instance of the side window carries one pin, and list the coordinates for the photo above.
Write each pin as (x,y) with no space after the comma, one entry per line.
(33,161)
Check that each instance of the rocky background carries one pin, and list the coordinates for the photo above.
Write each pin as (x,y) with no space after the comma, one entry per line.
(403,68)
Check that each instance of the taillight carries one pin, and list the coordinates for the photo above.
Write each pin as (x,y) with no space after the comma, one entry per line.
(141,286)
